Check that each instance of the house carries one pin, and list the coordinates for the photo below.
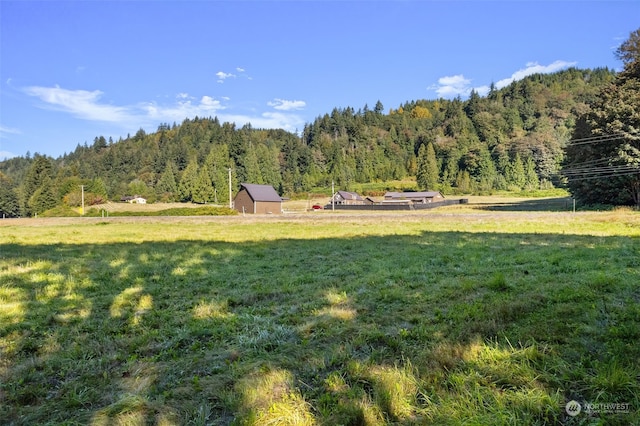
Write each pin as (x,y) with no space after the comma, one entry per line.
(136,199)
(423,197)
(259,199)
(347,198)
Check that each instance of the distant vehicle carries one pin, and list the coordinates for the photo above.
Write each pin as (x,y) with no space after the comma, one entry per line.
(317,207)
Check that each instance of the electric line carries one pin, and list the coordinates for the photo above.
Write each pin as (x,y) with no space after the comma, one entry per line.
(602,167)
(595,139)
(589,162)
(634,172)
(601,171)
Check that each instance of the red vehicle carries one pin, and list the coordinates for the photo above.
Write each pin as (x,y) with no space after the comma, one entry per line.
(317,207)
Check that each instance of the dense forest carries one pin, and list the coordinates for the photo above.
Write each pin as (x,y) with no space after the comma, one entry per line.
(514,138)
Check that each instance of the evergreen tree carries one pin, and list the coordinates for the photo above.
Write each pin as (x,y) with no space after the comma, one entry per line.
(252,173)
(518,177)
(463,182)
(269,165)
(486,171)
(189,181)
(531,177)
(203,191)
(40,174)
(379,108)
(167,189)
(99,143)
(9,205)
(44,198)
(428,173)
(218,163)
(451,168)
(97,187)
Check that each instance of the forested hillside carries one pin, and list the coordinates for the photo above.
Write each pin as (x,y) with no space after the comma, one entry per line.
(513,138)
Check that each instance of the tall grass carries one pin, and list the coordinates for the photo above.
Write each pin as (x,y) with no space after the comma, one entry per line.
(447,318)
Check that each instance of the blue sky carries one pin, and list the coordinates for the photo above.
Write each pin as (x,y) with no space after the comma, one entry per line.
(71,71)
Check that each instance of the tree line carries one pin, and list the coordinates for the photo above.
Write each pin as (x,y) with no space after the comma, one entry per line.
(517,137)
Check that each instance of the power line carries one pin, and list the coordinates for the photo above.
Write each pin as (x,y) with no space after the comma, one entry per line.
(595,139)
(601,170)
(588,163)
(606,176)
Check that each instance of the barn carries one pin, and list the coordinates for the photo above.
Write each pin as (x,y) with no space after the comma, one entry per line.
(258,199)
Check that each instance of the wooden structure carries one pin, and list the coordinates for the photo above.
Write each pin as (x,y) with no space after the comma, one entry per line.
(136,199)
(423,197)
(347,198)
(257,199)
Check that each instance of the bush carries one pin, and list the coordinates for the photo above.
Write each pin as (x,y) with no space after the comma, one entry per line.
(178,211)
(60,211)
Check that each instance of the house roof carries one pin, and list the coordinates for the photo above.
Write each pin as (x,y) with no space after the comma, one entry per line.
(261,192)
(350,196)
(423,194)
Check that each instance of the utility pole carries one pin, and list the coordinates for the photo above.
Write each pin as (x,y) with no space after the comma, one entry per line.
(230,199)
(82,190)
(332,194)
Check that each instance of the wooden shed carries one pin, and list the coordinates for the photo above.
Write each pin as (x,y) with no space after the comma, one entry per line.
(258,199)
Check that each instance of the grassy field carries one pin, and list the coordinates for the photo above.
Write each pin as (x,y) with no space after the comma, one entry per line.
(470,314)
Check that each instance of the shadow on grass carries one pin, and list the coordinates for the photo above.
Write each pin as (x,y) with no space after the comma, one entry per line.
(435,328)
(543,204)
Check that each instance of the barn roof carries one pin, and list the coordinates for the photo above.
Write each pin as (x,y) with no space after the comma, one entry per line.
(261,192)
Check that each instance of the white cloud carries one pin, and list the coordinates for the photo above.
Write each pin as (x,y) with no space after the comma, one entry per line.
(534,68)
(267,120)
(182,109)
(452,86)
(240,69)
(86,105)
(222,76)
(9,130)
(459,85)
(80,103)
(208,103)
(285,105)
(6,155)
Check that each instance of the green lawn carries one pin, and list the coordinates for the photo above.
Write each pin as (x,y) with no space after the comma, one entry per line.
(431,318)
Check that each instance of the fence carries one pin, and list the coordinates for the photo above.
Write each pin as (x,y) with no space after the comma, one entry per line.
(396,206)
